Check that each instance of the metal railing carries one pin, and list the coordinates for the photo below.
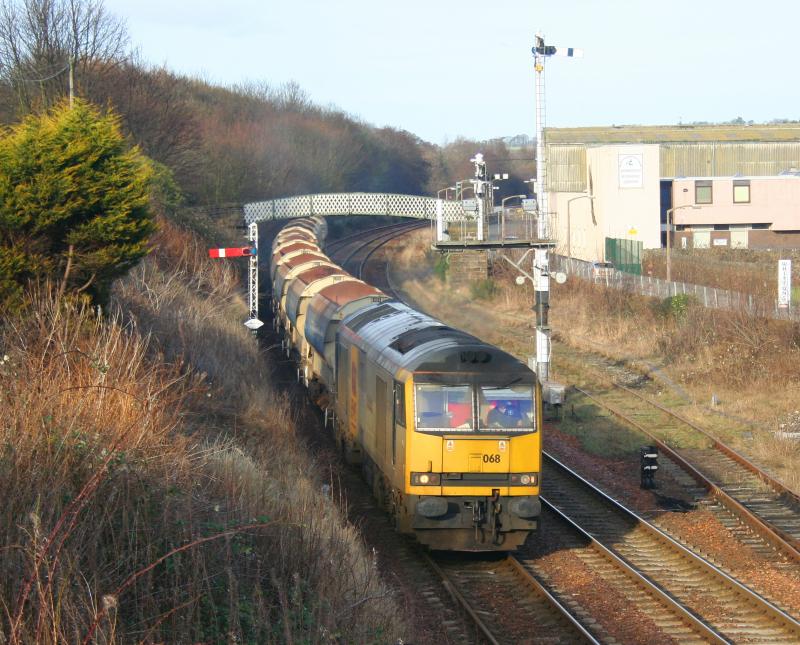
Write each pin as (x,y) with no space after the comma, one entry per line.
(508,226)
(351,204)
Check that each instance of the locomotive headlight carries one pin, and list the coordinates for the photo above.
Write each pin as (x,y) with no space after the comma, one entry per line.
(524,479)
(426,479)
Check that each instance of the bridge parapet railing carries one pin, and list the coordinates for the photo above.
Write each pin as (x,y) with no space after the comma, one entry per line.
(457,224)
(325,204)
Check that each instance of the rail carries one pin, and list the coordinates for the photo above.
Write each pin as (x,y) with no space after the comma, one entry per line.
(760,611)
(780,539)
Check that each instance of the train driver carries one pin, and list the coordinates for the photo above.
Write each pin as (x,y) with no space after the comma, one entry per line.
(504,415)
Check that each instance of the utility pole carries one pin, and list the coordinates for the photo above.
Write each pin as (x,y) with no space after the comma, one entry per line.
(541,262)
(71,82)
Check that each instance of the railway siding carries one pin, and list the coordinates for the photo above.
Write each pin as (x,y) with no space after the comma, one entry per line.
(734,611)
(773,514)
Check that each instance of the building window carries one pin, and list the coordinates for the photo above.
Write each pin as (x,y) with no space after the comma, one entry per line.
(760,227)
(722,227)
(702,192)
(741,191)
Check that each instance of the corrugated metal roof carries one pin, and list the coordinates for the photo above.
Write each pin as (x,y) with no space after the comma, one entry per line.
(728,159)
(566,163)
(673,133)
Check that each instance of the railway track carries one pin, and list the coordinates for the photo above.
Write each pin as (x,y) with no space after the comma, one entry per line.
(743,492)
(354,251)
(722,605)
(506,602)
(647,608)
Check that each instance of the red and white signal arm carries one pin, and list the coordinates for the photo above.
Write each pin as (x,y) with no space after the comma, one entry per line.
(234,252)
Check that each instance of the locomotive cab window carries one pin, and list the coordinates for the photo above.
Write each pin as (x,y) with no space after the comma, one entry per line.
(444,407)
(506,407)
(399,404)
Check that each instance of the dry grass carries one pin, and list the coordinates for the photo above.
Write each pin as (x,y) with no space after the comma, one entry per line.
(135,447)
(744,270)
(751,364)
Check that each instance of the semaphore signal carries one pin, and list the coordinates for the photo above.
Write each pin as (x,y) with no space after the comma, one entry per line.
(252,323)
(234,252)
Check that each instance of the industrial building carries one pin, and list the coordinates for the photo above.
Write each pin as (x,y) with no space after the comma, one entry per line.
(735,186)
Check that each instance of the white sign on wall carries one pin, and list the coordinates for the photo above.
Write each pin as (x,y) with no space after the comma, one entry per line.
(631,171)
(784,283)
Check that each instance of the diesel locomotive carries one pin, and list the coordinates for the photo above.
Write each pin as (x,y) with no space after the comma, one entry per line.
(446,428)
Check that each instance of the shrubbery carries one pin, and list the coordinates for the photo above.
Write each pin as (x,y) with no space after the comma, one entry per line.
(74,203)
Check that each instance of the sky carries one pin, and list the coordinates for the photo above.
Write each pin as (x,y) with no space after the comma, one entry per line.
(442,69)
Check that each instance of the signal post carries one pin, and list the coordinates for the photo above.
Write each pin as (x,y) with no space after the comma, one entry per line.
(252,323)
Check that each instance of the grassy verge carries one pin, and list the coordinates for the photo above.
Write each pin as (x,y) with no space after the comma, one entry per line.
(744,270)
(154,486)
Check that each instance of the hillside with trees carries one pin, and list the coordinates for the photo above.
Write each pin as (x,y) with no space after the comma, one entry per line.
(223,144)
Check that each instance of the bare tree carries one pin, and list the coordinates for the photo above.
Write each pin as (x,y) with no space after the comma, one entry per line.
(40,38)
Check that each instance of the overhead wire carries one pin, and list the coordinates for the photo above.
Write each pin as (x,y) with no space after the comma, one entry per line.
(46,78)
(15,76)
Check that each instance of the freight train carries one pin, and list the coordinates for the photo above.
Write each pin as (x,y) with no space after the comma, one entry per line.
(446,428)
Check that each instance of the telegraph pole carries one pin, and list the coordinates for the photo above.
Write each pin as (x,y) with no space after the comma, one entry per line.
(541,262)
(71,82)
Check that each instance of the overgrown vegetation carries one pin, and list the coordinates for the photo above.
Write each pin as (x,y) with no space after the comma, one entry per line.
(155,487)
(74,203)
(748,271)
(483,289)
(442,266)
